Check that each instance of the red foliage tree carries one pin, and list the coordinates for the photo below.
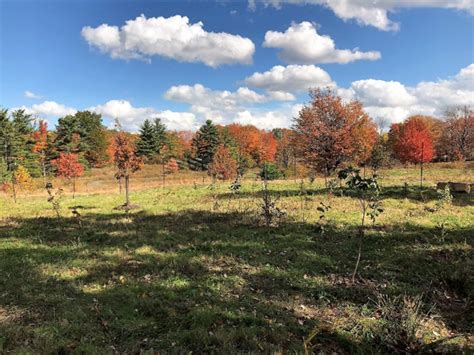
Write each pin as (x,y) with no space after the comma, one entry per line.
(126,161)
(172,166)
(223,165)
(411,142)
(69,167)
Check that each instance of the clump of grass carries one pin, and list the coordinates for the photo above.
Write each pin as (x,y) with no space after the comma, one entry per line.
(400,326)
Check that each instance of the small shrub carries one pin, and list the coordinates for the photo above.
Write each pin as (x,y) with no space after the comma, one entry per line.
(321,225)
(444,198)
(270,171)
(23,178)
(54,198)
(269,210)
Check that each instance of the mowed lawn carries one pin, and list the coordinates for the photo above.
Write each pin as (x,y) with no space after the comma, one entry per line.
(195,269)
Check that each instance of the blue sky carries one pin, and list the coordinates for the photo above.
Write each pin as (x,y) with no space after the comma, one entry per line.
(415,60)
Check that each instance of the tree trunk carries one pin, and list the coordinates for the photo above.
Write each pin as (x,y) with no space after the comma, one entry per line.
(73,187)
(164,173)
(14,186)
(361,236)
(127,199)
(421,165)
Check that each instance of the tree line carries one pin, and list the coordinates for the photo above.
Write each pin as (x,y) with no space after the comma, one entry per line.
(328,134)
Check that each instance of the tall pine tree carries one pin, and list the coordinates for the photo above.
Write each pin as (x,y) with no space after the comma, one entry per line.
(205,143)
(146,142)
(152,139)
(160,135)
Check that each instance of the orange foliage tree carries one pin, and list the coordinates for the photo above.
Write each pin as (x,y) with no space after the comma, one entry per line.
(328,132)
(68,166)
(126,161)
(223,165)
(40,146)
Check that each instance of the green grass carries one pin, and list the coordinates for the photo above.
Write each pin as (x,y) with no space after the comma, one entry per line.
(194,269)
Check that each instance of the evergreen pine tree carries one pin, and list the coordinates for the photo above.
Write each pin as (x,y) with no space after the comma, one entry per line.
(23,142)
(160,137)
(82,134)
(205,143)
(146,145)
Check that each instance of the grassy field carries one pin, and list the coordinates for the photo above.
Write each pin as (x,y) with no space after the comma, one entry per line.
(194,269)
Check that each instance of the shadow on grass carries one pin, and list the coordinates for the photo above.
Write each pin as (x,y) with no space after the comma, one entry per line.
(200,281)
(414,193)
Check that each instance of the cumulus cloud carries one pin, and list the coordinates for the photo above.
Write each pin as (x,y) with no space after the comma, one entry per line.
(49,109)
(269,119)
(394,101)
(218,105)
(173,37)
(301,44)
(242,105)
(290,79)
(373,13)
(132,117)
(31,95)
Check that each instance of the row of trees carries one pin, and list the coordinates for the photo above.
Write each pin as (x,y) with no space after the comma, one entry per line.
(328,134)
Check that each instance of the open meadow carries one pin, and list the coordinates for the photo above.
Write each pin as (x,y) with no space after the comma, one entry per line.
(194,268)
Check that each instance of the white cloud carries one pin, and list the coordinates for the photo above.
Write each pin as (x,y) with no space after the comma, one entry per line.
(269,119)
(49,109)
(31,95)
(240,106)
(173,37)
(394,102)
(219,105)
(379,92)
(373,13)
(290,79)
(132,117)
(301,44)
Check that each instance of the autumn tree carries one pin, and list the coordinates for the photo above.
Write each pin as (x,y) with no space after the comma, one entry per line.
(284,152)
(363,137)
(411,142)
(69,167)
(126,161)
(267,148)
(327,131)
(41,144)
(223,165)
(205,143)
(457,137)
(172,166)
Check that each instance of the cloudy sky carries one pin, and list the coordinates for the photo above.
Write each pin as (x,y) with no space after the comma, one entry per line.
(233,61)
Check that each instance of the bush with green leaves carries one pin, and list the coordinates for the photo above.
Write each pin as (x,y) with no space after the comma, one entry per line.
(270,171)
